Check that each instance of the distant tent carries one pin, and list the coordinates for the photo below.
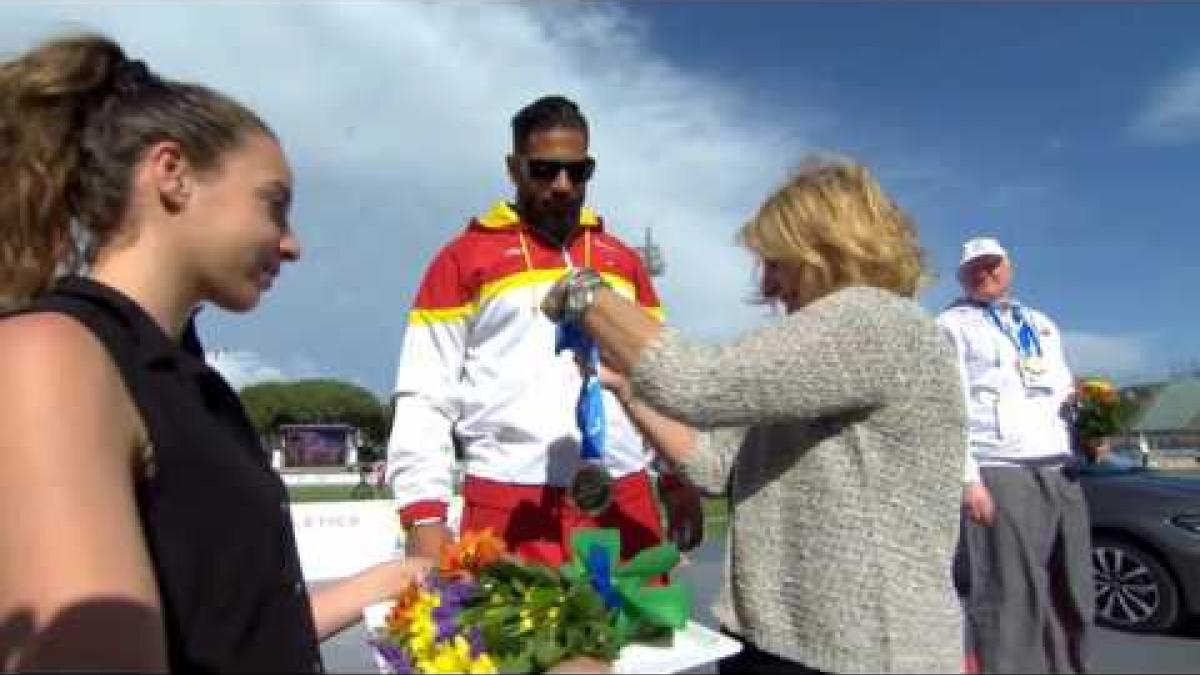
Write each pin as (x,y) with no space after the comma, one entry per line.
(1175,408)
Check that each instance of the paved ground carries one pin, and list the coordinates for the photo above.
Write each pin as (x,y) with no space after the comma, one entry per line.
(1115,652)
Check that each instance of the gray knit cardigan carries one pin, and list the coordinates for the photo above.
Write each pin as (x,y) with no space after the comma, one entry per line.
(838,436)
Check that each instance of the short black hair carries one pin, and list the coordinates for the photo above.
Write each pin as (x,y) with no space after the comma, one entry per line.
(548,112)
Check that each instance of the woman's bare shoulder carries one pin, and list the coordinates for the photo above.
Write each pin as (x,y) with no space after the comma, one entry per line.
(55,368)
(48,340)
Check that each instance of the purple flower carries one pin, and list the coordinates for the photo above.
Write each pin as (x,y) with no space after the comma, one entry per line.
(447,621)
(475,639)
(445,611)
(397,659)
(456,593)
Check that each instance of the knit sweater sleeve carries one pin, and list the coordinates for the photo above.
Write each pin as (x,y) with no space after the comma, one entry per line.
(709,465)
(843,353)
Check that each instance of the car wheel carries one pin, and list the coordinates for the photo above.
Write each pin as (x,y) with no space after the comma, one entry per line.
(1133,590)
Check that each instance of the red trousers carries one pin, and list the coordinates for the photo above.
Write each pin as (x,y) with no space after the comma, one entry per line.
(536,521)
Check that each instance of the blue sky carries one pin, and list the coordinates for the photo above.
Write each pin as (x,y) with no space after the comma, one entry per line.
(1069,131)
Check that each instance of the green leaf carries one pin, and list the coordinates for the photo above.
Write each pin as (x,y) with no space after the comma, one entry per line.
(547,651)
(494,638)
(540,575)
(540,597)
(574,639)
(669,607)
(583,540)
(516,663)
(500,614)
(572,572)
(624,627)
(650,562)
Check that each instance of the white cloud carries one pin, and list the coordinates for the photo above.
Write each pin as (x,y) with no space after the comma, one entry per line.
(1113,356)
(1172,112)
(242,368)
(396,120)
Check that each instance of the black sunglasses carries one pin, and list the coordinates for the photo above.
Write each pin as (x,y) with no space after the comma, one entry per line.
(578,170)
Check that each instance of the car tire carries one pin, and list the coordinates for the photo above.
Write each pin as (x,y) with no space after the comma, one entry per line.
(1134,591)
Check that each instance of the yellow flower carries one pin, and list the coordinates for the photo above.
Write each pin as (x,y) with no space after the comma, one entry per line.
(413,603)
(527,622)
(421,634)
(451,656)
(483,665)
(446,661)
(412,623)
(422,629)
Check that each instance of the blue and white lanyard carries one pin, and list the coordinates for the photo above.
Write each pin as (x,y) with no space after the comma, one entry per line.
(1026,340)
(589,407)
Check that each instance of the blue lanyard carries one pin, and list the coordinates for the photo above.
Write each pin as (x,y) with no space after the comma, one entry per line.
(589,407)
(1026,340)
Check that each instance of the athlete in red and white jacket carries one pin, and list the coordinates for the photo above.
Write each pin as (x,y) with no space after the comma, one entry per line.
(478,366)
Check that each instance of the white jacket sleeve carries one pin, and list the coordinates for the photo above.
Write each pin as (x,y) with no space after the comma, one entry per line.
(950,329)
(419,459)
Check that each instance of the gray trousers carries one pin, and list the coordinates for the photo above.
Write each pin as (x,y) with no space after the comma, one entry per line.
(1027,579)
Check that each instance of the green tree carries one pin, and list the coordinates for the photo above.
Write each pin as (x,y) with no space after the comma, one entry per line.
(1135,399)
(319,401)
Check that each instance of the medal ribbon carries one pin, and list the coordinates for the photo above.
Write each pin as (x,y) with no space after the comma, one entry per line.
(1026,340)
(589,406)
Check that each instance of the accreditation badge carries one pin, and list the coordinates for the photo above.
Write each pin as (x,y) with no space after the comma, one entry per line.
(1033,365)
(1033,372)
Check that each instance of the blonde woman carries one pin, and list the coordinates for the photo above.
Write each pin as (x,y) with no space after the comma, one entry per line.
(838,433)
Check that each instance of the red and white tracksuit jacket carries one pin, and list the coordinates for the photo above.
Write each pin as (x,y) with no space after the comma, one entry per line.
(478,365)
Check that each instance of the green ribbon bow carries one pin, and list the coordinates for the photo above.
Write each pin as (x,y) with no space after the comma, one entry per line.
(640,611)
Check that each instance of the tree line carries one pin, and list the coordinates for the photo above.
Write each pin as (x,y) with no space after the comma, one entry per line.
(328,401)
(317,401)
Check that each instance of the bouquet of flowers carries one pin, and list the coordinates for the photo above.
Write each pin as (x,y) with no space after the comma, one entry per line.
(1097,412)
(483,611)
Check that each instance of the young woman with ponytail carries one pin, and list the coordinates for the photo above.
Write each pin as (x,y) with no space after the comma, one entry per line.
(144,528)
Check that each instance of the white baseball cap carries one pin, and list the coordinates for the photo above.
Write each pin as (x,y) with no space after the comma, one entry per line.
(979,247)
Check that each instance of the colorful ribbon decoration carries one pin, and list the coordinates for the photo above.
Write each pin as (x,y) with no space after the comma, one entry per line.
(638,607)
(600,574)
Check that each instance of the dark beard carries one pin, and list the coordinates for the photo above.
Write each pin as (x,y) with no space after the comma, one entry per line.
(555,226)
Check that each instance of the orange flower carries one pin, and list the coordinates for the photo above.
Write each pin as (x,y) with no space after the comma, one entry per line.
(471,553)
(401,614)
(1101,391)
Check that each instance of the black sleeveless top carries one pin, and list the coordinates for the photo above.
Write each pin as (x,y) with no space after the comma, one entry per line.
(214,513)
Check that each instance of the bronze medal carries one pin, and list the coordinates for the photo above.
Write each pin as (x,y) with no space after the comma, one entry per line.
(591,489)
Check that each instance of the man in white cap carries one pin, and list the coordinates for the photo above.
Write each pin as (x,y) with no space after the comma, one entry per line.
(1024,564)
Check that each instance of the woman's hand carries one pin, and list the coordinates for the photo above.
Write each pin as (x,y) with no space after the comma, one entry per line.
(396,576)
(617,383)
(977,500)
(572,295)
(338,604)
(555,301)
(685,511)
